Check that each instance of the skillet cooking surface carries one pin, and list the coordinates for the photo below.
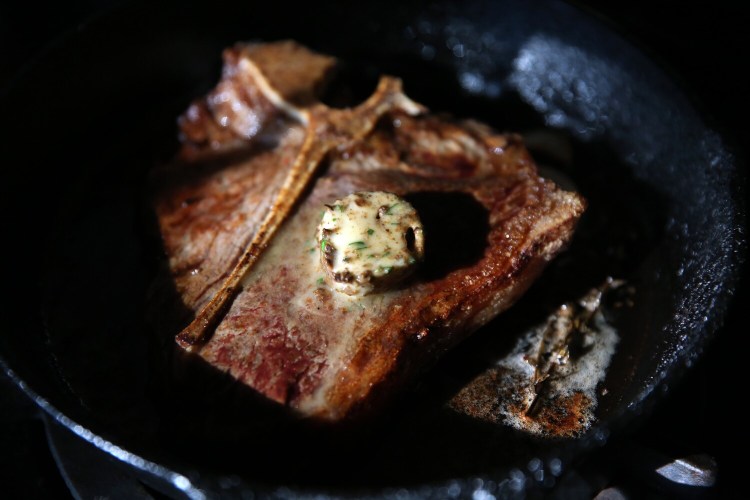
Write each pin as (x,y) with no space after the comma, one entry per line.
(662,215)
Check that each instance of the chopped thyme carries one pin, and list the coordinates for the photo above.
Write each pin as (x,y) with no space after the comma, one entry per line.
(320,281)
(390,209)
(370,231)
(323,244)
(358,245)
(311,250)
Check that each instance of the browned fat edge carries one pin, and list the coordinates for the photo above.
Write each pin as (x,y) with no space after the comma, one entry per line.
(339,126)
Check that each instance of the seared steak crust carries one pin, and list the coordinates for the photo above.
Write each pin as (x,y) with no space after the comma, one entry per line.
(491,225)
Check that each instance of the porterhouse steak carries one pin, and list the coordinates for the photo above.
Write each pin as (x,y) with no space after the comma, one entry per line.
(239,207)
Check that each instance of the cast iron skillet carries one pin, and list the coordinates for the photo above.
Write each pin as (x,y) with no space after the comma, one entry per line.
(94,114)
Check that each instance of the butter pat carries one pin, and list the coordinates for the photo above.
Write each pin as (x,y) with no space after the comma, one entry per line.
(369,241)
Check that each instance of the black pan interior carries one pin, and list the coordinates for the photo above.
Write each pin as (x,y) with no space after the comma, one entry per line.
(95,113)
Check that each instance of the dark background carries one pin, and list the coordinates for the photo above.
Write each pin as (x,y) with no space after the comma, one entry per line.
(704,46)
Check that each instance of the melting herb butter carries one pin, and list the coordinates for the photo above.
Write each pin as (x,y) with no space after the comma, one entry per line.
(369,241)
